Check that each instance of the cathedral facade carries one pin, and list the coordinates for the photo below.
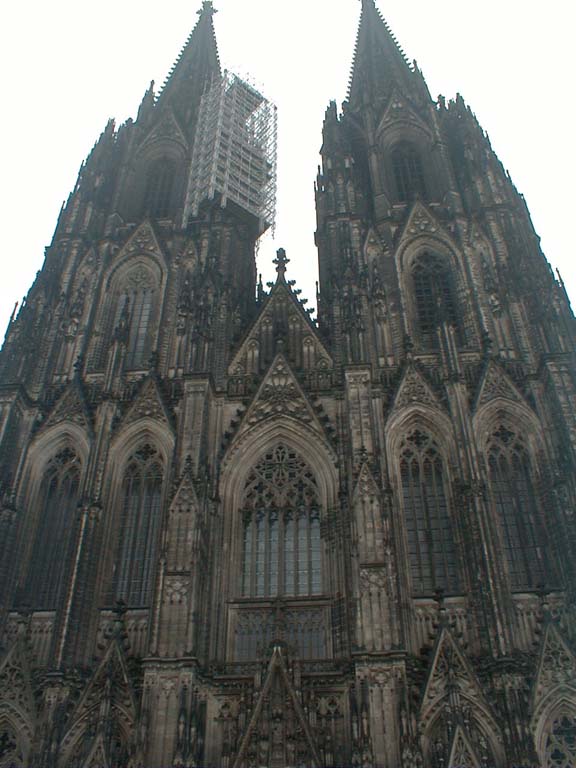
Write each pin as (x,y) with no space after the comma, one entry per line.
(234,536)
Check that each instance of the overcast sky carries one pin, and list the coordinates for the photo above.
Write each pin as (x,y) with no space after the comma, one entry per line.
(68,66)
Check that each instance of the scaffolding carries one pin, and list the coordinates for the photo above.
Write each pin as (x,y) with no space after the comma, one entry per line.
(234,154)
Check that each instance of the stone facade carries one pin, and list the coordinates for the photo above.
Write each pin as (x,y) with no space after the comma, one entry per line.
(233,536)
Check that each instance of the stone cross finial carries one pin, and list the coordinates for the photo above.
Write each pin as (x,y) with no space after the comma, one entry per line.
(281,261)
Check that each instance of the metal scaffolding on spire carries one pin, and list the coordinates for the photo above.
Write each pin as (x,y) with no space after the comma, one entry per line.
(234,154)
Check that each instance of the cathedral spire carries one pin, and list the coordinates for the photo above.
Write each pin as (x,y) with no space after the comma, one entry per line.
(197,63)
(379,61)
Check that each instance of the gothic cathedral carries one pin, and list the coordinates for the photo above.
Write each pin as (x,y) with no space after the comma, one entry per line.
(233,536)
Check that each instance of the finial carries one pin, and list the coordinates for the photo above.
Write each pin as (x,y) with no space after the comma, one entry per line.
(207,7)
(281,262)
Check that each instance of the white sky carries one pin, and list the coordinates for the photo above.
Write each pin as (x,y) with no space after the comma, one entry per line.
(68,65)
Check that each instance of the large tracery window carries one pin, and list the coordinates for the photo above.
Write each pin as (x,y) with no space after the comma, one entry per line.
(134,314)
(281,556)
(515,501)
(434,296)
(57,514)
(140,500)
(408,172)
(431,544)
(281,528)
(561,742)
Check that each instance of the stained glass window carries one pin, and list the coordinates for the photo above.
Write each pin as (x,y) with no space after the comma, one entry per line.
(58,500)
(159,186)
(515,501)
(140,501)
(134,310)
(434,297)
(561,742)
(281,558)
(429,529)
(408,172)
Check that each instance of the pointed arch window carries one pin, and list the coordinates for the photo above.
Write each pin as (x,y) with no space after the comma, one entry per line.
(429,529)
(140,507)
(434,296)
(57,501)
(159,188)
(408,172)
(281,584)
(135,311)
(561,742)
(281,531)
(515,500)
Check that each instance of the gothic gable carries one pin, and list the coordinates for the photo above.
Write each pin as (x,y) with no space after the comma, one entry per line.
(422,222)
(282,319)
(185,499)
(462,754)
(108,700)
(71,407)
(148,404)
(278,733)
(400,112)
(15,684)
(556,667)
(449,674)
(414,390)
(366,486)
(280,395)
(142,241)
(495,383)
(167,130)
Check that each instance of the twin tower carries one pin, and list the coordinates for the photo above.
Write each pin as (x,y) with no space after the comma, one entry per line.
(234,537)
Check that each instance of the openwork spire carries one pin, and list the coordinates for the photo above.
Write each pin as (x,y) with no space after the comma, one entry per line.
(198,61)
(379,61)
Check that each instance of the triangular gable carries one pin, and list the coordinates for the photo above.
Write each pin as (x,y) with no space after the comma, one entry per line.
(449,670)
(274,311)
(414,390)
(278,692)
(366,486)
(556,665)
(495,383)
(15,683)
(167,128)
(280,395)
(70,407)
(185,499)
(462,754)
(422,222)
(111,679)
(143,240)
(400,110)
(148,404)
(97,757)
(374,248)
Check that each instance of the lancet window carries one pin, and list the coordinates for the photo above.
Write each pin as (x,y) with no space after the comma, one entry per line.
(57,513)
(281,531)
(159,187)
(281,556)
(408,172)
(434,296)
(429,529)
(515,500)
(140,511)
(134,314)
(561,742)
